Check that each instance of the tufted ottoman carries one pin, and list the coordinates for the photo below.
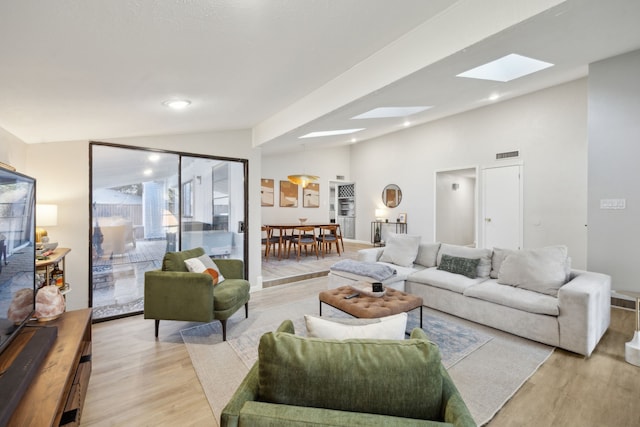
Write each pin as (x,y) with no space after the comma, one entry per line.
(393,302)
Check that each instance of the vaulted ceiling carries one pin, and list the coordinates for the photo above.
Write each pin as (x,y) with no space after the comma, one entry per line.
(93,70)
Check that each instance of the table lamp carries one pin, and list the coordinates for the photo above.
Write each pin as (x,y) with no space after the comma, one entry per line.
(46,216)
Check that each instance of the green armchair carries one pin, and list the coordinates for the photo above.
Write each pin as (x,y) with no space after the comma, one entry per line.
(301,381)
(174,293)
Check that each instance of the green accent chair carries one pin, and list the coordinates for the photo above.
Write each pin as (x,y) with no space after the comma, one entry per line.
(300,381)
(174,293)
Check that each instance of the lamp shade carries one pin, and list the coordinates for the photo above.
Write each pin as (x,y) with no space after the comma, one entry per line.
(46,215)
(380,213)
(302,179)
(169,219)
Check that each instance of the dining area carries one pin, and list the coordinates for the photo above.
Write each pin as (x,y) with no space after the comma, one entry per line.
(309,239)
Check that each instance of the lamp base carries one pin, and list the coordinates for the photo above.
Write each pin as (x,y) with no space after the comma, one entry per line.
(632,350)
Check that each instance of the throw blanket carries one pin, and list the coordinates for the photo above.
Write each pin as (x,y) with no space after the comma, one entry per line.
(376,271)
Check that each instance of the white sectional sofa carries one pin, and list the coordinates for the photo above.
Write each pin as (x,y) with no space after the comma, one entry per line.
(531,293)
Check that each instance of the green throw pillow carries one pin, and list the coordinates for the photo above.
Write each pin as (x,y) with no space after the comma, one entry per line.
(465,266)
(390,377)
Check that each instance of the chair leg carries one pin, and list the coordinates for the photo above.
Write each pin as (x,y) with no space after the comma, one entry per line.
(157,326)
(224,329)
(246,310)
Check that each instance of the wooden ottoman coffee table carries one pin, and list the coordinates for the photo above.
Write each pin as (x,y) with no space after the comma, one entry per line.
(393,302)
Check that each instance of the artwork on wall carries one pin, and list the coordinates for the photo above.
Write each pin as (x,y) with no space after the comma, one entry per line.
(288,194)
(402,218)
(311,196)
(266,192)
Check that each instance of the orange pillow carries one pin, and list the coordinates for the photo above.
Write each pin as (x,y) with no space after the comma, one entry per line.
(203,264)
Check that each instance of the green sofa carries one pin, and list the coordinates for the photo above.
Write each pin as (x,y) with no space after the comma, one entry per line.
(301,381)
(174,293)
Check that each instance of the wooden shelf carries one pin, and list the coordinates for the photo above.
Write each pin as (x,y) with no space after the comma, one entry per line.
(57,392)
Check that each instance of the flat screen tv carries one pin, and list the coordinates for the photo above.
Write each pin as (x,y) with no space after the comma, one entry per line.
(17,253)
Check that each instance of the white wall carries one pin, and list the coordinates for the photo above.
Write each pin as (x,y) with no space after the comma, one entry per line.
(549,129)
(455,209)
(614,153)
(325,163)
(62,171)
(13,151)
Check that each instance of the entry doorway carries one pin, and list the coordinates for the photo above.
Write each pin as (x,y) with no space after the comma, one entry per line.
(502,219)
(456,206)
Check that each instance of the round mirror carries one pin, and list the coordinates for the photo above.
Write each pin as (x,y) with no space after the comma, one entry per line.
(391,196)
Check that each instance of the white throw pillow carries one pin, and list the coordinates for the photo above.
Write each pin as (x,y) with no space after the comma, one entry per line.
(388,328)
(401,249)
(204,264)
(540,270)
(499,254)
(428,254)
(484,266)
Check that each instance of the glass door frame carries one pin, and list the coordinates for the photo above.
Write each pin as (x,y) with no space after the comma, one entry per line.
(181,155)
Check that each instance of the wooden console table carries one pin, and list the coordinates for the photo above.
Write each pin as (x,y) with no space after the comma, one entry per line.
(56,395)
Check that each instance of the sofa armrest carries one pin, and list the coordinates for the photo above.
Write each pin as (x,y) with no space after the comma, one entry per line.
(370,254)
(176,295)
(454,410)
(230,268)
(585,311)
(246,391)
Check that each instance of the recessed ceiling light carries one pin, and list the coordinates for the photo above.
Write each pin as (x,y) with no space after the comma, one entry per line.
(494,97)
(154,157)
(407,123)
(383,112)
(507,68)
(330,133)
(147,172)
(177,104)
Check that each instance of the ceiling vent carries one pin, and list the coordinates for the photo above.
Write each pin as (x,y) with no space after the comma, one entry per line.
(507,155)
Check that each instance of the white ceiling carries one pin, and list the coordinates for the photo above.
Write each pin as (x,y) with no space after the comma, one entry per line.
(96,70)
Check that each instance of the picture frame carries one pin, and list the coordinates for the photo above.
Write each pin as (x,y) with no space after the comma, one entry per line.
(288,194)
(402,218)
(267,193)
(311,196)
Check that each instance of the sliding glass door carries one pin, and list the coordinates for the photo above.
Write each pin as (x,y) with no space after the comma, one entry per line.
(145,203)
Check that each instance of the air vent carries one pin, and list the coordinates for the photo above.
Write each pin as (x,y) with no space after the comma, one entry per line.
(507,155)
(340,177)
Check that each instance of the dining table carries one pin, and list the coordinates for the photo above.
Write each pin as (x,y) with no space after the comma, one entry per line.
(282,227)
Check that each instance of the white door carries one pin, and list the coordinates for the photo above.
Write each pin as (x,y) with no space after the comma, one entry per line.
(502,207)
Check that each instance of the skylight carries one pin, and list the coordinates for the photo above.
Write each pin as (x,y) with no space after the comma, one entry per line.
(507,68)
(384,112)
(330,133)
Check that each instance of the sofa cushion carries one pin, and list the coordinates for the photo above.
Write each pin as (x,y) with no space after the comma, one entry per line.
(484,266)
(389,377)
(428,254)
(388,328)
(499,254)
(457,265)
(540,270)
(174,261)
(401,249)
(443,279)
(521,299)
(205,265)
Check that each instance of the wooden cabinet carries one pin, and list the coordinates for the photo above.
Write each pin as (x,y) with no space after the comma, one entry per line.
(56,395)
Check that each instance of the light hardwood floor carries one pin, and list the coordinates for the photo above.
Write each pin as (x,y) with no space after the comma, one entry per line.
(140,381)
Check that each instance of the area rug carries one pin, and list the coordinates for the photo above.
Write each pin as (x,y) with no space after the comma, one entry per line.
(487,366)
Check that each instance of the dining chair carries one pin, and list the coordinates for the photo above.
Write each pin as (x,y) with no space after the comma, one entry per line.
(269,240)
(327,236)
(303,236)
(339,236)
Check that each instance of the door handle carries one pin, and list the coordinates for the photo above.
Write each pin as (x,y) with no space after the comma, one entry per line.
(487,219)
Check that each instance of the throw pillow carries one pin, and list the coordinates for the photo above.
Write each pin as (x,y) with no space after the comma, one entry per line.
(484,266)
(540,270)
(401,249)
(428,254)
(465,266)
(204,264)
(388,328)
(499,254)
